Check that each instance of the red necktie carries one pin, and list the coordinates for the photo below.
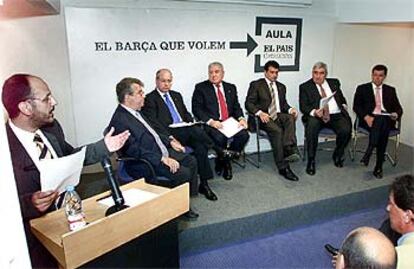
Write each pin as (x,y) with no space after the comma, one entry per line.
(222,103)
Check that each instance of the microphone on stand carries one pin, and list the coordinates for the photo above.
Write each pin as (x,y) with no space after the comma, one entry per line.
(119,202)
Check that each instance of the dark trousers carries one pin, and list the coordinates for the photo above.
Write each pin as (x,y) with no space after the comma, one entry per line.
(378,136)
(186,173)
(282,134)
(198,140)
(340,123)
(236,143)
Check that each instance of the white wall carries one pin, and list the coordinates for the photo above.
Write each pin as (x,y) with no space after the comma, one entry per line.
(38,46)
(375,11)
(359,47)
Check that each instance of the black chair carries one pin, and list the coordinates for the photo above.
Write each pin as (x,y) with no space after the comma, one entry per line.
(326,134)
(253,123)
(152,178)
(394,132)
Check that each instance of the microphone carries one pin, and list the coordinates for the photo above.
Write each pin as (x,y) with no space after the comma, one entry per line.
(115,191)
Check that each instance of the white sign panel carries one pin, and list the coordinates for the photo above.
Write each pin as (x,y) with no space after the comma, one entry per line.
(106,45)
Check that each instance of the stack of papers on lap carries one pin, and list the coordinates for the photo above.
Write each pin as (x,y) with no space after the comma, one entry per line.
(182,124)
(324,101)
(230,127)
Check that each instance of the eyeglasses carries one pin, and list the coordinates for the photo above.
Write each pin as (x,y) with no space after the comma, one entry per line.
(46,99)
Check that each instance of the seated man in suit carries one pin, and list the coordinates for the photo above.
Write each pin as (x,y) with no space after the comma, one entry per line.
(266,98)
(166,155)
(370,101)
(163,107)
(214,101)
(33,135)
(333,115)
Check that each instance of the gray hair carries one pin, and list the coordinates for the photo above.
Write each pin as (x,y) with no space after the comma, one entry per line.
(124,87)
(216,63)
(322,65)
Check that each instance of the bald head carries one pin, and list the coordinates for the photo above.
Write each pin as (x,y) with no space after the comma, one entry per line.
(367,247)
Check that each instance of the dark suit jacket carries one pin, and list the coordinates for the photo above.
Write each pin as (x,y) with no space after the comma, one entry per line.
(157,111)
(364,100)
(259,98)
(28,181)
(309,96)
(140,144)
(205,104)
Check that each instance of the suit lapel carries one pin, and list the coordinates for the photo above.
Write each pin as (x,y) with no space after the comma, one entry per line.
(213,96)
(163,106)
(265,88)
(178,104)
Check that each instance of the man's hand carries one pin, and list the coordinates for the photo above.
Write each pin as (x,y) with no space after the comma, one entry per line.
(216,124)
(171,163)
(318,113)
(369,120)
(264,117)
(42,200)
(113,143)
(243,123)
(294,112)
(394,116)
(176,145)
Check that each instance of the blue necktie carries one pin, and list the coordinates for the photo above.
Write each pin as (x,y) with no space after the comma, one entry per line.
(174,114)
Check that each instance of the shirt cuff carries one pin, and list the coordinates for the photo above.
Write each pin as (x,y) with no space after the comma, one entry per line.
(258,113)
(312,113)
(209,121)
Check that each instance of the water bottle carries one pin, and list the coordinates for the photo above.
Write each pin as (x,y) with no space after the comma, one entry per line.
(73,209)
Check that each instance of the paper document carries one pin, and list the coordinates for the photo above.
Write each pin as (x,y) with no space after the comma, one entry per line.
(324,101)
(56,174)
(383,114)
(132,197)
(230,127)
(182,124)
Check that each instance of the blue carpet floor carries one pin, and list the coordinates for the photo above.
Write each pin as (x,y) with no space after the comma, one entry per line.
(298,248)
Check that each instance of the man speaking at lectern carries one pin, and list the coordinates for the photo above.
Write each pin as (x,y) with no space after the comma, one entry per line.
(34,134)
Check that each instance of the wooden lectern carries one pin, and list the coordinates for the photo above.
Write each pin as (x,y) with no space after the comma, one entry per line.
(103,234)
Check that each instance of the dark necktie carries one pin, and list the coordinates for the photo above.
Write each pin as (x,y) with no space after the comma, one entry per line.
(44,152)
(222,103)
(173,112)
(326,115)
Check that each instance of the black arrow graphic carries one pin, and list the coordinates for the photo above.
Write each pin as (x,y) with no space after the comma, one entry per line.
(250,45)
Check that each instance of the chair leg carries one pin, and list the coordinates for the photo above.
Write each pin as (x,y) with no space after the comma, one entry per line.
(354,144)
(397,147)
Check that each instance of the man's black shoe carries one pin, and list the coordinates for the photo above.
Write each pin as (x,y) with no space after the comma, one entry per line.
(310,168)
(288,174)
(377,172)
(338,162)
(191,215)
(204,188)
(227,171)
(331,250)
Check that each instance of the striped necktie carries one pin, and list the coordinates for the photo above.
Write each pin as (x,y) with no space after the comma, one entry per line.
(273,105)
(44,152)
